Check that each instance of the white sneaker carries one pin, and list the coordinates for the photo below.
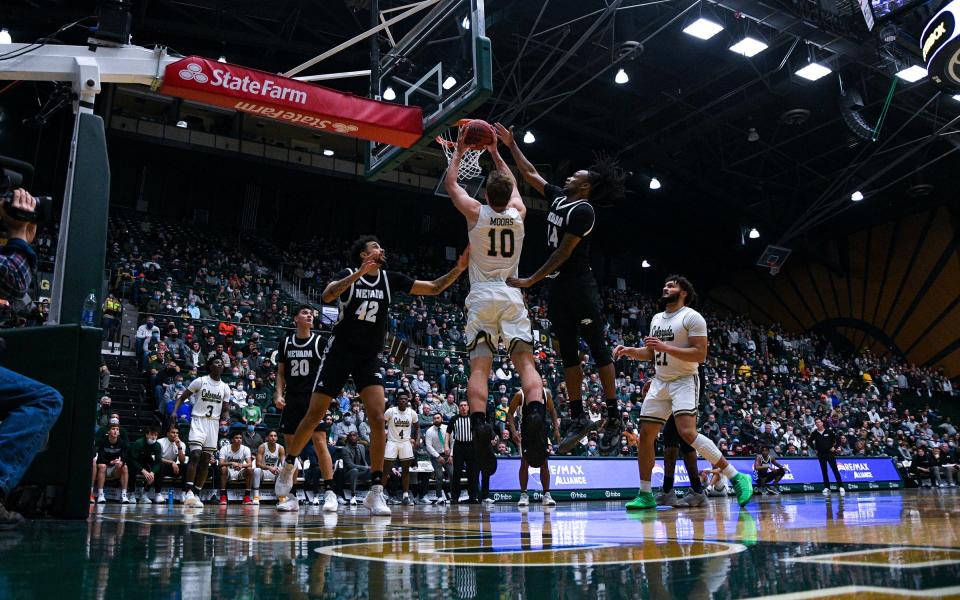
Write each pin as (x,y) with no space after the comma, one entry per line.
(124,498)
(101,499)
(290,504)
(442,501)
(826,491)
(316,500)
(256,500)
(375,503)
(145,499)
(160,498)
(330,503)
(353,501)
(285,480)
(190,500)
(524,500)
(843,492)
(548,500)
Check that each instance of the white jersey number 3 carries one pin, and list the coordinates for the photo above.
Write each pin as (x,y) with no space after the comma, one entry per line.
(368,311)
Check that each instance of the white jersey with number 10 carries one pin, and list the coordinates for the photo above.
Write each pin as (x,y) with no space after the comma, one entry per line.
(495,244)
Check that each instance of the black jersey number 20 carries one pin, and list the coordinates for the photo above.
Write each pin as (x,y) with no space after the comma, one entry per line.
(299,368)
(506,243)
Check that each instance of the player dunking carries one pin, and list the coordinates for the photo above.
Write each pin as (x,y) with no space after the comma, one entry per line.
(494,310)
(298,363)
(677,344)
(212,405)
(364,294)
(575,309)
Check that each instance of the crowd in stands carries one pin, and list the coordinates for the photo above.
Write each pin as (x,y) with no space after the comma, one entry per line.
(763,386)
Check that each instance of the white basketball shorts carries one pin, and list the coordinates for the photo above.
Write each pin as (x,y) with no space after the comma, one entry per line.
(677,396)
(398,450)
(497,312)
(203,434)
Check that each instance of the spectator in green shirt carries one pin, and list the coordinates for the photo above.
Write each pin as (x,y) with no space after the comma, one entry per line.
(251,414)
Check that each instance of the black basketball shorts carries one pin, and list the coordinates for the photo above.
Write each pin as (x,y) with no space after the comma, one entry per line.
(340,362)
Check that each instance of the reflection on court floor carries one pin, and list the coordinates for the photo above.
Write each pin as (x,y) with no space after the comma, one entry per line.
(872,544)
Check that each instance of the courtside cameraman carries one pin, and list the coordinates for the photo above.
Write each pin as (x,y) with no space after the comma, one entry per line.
(28,408)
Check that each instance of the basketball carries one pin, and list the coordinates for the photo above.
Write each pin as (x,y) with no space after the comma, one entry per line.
(478,134)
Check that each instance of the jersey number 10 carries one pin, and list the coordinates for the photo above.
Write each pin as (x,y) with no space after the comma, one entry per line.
(506,243)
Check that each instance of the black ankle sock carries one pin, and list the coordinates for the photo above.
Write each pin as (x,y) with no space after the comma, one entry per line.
(290,459)
(576,408)
(613,409)
(223,492)
(327,485)
(667,483)
(376,478)
(188,487)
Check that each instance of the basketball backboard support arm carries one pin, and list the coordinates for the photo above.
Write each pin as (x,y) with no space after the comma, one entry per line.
(85,71)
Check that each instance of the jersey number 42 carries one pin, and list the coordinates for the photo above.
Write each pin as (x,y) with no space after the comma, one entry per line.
(367,311)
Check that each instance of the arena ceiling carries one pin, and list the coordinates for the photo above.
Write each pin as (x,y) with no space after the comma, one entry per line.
(741,142)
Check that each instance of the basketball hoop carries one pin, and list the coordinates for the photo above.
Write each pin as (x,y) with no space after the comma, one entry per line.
(470,161)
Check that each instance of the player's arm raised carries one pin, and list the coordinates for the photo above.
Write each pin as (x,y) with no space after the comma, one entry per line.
(336,288)
(436,287)
(526,168)
(468,207)
(568,242)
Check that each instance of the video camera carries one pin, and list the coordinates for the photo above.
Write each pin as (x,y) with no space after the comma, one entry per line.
(12,175)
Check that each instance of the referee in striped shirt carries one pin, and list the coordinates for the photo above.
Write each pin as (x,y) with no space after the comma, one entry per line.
(464,455)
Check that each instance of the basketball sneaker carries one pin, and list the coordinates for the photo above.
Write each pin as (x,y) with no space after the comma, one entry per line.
(353,501)
(743,486)
(101,499)
(667,498)
(145,498)
(223,499)
(256,501)
(577,430)
(692,500)
(486,460)
(609,439)
(316,500)
(826,491)
(843,492)
(284,481)
(289,504)
(190,500)
(524,500)
(123,497)
(330,503)
(160,498)
(643,501)
(375,503)
(247,500)
(406,501)
(548,500)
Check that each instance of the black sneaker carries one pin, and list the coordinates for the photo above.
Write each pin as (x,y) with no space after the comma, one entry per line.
(534,436)
(578,429)
(486,459)
(609,439)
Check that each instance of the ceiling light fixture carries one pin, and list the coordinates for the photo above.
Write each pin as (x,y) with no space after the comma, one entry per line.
(222,59)
(621,77)
(449,82)
(528,138)
(655,183)
(754,234)
(5,37)
(749,47)
(182,124)
(389,94)
(703,28)
(814,71)
(857,196)
(466,22)
(645,264)
(912,73)
(327,152)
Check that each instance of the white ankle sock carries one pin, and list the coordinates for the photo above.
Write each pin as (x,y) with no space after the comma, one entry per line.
(729,472)
(645,486)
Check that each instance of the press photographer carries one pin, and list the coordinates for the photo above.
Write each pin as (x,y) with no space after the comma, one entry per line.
(28,408)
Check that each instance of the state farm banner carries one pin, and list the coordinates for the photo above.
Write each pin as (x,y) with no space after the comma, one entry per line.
(582,474)
(290,101)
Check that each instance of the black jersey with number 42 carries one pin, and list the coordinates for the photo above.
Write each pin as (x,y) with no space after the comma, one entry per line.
(569,216)
(301,363)
(364,309)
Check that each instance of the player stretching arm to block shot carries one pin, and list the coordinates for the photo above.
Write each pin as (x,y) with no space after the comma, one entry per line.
(677,344)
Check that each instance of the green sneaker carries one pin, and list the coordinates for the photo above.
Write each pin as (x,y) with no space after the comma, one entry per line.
(643,501)
(743,486)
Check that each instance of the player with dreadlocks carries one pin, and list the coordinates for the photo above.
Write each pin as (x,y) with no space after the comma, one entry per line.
(575,309)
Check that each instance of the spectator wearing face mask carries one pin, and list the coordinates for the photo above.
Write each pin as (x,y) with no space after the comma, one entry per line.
(144,459)
(345,427)
(251,438)
(420,386)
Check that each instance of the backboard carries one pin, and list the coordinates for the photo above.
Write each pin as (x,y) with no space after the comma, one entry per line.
(443,65)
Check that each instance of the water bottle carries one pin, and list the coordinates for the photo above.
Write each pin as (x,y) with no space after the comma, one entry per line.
(89,310)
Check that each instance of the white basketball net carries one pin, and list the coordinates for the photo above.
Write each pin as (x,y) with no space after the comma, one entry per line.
(469,162)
